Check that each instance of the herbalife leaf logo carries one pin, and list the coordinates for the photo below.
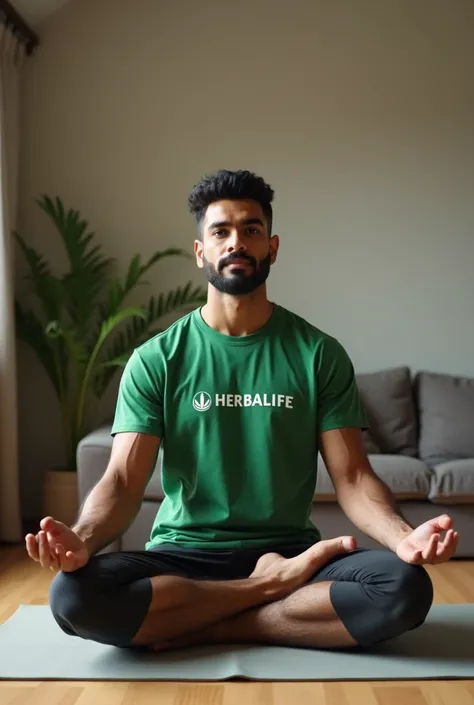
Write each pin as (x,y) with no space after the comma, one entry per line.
(202,401)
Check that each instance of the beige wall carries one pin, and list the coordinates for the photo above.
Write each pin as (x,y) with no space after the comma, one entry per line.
(359,113)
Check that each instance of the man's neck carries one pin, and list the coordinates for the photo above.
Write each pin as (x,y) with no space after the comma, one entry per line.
(236,315)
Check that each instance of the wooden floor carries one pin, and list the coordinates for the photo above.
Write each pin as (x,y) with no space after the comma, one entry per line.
(24,582)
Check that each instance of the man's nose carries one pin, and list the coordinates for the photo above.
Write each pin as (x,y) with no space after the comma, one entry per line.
(236,242)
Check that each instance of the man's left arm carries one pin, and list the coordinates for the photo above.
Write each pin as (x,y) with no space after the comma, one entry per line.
(371,506)
(361,494)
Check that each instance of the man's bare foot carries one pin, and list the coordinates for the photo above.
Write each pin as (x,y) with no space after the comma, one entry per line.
(287,571)
(296,571)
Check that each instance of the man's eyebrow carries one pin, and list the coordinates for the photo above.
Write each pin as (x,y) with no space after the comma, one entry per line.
(225,223)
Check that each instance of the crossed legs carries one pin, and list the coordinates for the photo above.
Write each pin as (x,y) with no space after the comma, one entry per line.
(359,598)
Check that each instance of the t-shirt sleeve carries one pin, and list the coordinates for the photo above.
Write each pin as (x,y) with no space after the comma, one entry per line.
(339,402)
(139,405)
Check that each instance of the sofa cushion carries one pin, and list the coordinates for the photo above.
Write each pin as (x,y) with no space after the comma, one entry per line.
(406,477)
(453,482)
(389,402)
(446,410)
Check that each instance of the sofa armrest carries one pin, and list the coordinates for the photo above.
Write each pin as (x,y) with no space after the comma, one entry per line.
(93,454)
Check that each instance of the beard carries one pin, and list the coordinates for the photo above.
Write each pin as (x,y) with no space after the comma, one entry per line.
(238,280)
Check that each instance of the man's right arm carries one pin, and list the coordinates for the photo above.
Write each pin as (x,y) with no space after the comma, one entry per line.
(115,500)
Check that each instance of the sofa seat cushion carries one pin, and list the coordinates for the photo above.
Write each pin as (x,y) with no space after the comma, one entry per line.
(407,478)
(453,482)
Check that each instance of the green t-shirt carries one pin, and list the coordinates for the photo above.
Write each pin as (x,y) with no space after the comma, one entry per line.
(239,419)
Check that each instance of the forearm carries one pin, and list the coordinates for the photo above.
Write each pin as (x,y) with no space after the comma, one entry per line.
(106,514)
(371,506)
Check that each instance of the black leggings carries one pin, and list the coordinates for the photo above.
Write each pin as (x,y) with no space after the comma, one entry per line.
(376,595)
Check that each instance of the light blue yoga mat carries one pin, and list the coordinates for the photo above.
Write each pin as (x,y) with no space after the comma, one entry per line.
(33,647)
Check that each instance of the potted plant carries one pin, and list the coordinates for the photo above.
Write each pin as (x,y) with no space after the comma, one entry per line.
(82,330)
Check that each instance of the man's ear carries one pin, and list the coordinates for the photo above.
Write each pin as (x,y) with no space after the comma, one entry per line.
(198,250)
(274,245)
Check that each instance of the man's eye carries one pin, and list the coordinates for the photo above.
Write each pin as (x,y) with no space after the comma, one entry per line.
(253,231)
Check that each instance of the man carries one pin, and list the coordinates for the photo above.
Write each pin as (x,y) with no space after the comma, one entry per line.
(242,394)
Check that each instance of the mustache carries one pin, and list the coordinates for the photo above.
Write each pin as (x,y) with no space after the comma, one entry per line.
(230,259)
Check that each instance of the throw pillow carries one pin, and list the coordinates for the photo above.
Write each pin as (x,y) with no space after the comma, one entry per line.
(446,409)
(389,402)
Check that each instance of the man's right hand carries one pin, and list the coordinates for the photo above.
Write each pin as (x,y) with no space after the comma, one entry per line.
(57,547)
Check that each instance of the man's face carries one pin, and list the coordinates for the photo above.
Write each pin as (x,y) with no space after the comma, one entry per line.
(236,251)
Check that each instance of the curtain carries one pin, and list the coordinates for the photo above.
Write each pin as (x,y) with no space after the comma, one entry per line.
(11,58)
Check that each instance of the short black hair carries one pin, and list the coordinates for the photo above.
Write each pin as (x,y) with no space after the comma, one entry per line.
(231,185)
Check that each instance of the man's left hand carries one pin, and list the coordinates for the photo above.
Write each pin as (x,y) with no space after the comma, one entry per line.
(425,544)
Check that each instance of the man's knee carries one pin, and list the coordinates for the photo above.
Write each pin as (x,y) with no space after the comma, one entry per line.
(412,598)
(389,598)
(88,604)
(74,603)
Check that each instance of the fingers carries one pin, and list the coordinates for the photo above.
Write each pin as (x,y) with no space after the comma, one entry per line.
(446,521)
(447,543)
(439,551)
(447,548)
(342,543)
(50,525)
(47,524)
(417,558)
(443,522)
(66,559)
(42,549)
(429,552)
(32,546)
(349,543)
(47,554)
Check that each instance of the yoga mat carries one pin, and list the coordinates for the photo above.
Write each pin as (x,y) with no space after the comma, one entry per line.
(32,646)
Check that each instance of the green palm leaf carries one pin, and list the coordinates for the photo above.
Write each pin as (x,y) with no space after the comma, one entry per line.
(115,320)
(107,327)
(47,287)
(30,329)
(117,291)
(120,361)
(78,352)
(138,330)
(86,279)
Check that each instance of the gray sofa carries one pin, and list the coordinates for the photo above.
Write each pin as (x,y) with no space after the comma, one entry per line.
(420,442)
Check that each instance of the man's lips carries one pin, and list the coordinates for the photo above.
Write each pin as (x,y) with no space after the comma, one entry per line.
(238,261)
